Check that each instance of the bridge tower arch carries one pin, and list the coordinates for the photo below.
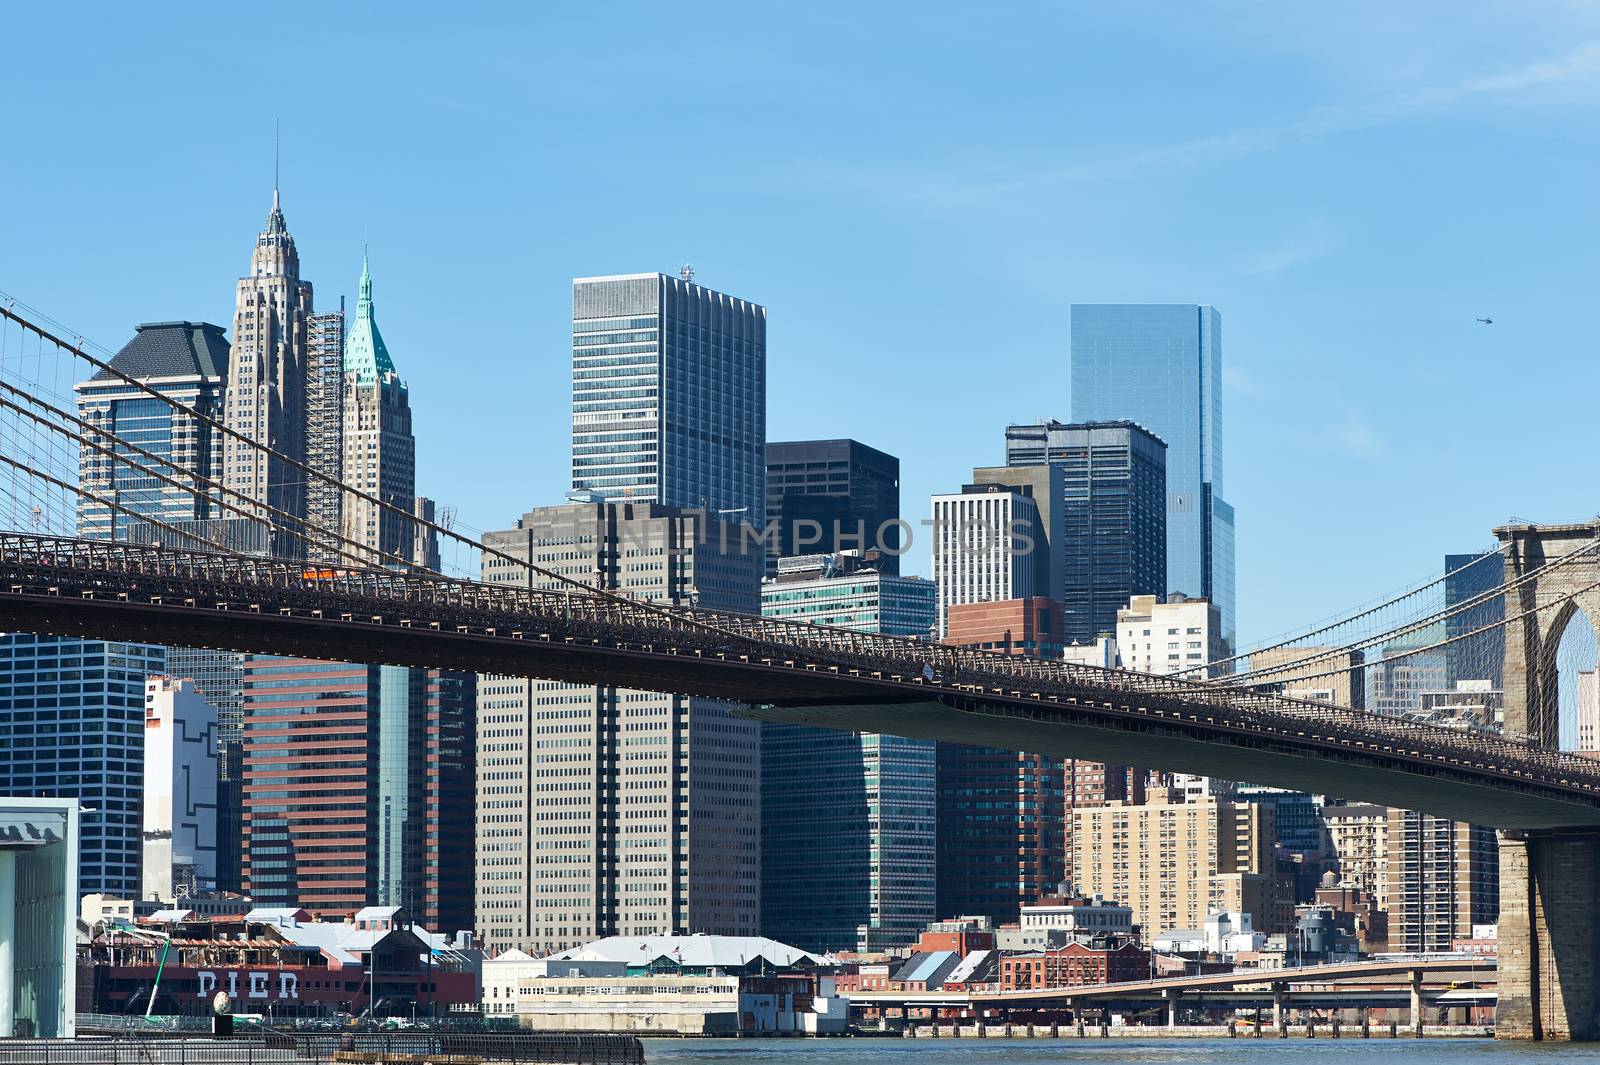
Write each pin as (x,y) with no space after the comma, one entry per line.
(1548,603)
(1549,935)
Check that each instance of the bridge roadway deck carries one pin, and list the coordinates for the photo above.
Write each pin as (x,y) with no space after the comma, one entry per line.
(1341,976)
(831,678)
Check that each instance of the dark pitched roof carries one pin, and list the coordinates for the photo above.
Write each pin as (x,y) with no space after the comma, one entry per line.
(172,349)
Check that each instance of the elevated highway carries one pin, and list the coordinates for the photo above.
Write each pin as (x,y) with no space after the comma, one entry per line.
(1412,984)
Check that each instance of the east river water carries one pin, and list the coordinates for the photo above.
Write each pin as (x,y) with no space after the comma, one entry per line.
(1111,1052)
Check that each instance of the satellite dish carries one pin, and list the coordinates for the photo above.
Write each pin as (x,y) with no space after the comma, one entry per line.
(221,1005)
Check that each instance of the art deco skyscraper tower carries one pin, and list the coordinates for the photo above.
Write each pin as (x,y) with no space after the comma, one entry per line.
(377,760)
(266,396)
(379,450)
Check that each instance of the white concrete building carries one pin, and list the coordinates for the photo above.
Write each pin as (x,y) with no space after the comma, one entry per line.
(1224,933)
(98,906)
(1102,653)
(1053,920)
(672,984)
(1181,635)
(983,546)
(180,791)
(505,974)
(1178,636)
(682,1005)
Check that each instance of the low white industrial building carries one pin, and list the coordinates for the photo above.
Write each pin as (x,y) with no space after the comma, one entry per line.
(679,985)
(38,917)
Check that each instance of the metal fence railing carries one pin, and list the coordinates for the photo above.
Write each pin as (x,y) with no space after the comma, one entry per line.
(160,1045)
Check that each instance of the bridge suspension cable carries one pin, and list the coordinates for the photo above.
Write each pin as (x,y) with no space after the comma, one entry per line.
(1221,666)
(363,557)
(292,525)
(1252,677)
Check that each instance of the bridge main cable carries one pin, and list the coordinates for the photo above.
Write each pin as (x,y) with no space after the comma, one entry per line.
(292,526)
(1288,641)
(415,521)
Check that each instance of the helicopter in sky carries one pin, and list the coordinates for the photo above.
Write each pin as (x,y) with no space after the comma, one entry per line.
(1487,321)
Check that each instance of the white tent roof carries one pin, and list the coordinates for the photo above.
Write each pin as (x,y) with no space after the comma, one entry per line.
(278,915)
(170,915)
(698,951)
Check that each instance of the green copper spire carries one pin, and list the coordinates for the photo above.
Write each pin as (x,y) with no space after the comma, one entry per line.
(364,352)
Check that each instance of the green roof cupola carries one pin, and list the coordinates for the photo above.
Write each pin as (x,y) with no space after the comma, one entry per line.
(364,352)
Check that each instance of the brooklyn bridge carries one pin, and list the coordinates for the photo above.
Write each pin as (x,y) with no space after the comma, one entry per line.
(317,594)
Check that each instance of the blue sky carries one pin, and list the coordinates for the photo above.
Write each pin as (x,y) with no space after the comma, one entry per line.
(917,194)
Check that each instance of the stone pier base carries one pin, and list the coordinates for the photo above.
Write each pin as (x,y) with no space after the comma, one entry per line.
(1549,936)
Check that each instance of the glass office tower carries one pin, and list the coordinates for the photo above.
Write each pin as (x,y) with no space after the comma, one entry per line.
(359,788)
(833,495)
(72,727)
(669,395)
(1160,365)
(848,859)
(1112,543)
(1480,657)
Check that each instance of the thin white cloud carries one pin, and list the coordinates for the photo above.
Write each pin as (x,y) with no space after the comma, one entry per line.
(1238,381)
(1580,64)
(1357,437)
(1316,239)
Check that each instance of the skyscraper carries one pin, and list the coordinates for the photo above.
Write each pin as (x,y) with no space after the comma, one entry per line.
(1112,535)
(186,361)
(847,819)
(180,790)
(656,824)
(833,495)
(325,430)
(1160,365)
(404,735)
(1481,656)
(985,542)
(72,711)
(1001,829)
(604,811)
(1044,485)
(1441,877)
(379,450)
(1000,812)
(72,726)
(266,395)
(669,394)
(356,788)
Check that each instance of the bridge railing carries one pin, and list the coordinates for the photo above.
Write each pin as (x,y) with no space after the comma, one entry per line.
(139,570)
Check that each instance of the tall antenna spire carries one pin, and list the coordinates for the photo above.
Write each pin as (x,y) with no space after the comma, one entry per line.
(276,128)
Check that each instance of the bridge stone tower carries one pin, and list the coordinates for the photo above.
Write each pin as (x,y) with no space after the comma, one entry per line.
(1549,951)
(1570,555)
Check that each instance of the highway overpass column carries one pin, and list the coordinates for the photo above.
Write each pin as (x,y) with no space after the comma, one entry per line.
(1417,1016)
(1171,994)
(1277,1006)
(1549,936)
